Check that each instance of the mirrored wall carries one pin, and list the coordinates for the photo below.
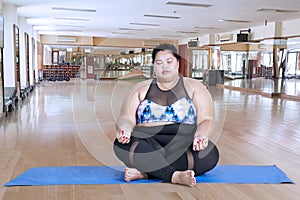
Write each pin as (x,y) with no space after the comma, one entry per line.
(233,63)
(17,59)
(98,62)
(1,65)
(199,63)
(293,64)
(1,83)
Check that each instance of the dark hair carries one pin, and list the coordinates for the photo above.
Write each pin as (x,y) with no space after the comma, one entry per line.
(165,47)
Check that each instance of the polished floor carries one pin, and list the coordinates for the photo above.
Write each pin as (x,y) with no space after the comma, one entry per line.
(282,88)
(72,123)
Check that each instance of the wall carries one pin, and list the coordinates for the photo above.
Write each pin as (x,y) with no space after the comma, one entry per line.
(291,28)
(110,42)
(257,33)
(22,28)
(9,13)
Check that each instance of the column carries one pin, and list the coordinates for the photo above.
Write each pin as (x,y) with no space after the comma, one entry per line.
(9,12)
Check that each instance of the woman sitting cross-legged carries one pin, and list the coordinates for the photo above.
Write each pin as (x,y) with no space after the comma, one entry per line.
(162,129)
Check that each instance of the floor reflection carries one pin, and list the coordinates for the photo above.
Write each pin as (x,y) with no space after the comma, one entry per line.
(289,87)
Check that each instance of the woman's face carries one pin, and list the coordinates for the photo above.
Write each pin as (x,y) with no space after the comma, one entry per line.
(166,66)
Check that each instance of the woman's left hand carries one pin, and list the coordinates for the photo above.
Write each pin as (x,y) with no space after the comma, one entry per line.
(123,136)
(200,143)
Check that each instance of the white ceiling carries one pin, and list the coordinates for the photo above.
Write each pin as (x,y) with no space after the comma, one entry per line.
(113,18)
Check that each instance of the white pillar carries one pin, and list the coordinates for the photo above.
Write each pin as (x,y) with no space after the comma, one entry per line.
(212,39)
(34,77)
(22,30)
(29,30)
(31,59)
(9,12)
(278,29)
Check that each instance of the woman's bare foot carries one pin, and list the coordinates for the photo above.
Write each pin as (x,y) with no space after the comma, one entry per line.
(184,178)
(131,174)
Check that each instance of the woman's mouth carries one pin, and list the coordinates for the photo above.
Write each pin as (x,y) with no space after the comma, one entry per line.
(164,72)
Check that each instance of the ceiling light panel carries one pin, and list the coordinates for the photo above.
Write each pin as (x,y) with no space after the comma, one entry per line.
(205,27)
(72,9)
(188,32)
(277,10)
(171,36)
(234,20)
(40,21)
(69,25)
(131,29)
(72,19)
(68,30)
(115,32)
(162,16)
(43,27)
(188,4)
(158,38)
(143,24)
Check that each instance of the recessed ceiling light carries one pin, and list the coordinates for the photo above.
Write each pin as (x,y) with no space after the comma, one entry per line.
(131,29)
(126,33)
(170,35)
(205,27)
(68,30)
(188,32)
(73,9)
(162,16)
(69,25)
(234,21)
(162,38)
(277,10)
(188,4)
(143,24)
(75,19)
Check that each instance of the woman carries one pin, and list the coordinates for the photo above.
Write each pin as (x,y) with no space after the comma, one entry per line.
(162,129)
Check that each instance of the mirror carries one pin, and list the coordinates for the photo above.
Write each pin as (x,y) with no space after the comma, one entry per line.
(1,65)
(17,59)
(97,62)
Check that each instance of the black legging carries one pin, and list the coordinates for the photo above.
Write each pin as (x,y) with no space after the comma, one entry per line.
(159,151)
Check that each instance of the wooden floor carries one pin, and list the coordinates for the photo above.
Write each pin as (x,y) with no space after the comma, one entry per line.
(72,123)
(282,88)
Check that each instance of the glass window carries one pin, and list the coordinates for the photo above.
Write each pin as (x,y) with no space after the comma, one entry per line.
(292,63)
(199,63)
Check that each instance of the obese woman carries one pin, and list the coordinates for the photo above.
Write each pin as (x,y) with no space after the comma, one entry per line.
(163,126)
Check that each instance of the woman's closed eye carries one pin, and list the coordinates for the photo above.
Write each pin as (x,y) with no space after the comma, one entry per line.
(158,62)
(168,61)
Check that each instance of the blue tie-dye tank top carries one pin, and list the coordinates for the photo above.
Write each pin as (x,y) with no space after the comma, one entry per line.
(166,106)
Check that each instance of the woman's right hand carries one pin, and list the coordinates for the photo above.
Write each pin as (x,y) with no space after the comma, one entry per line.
(200,143)
(123,136)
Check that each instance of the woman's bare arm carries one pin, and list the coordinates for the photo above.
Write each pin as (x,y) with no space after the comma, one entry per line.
(204,106)
(127,117)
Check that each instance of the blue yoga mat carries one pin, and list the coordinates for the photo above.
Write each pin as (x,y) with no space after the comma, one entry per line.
(238,174)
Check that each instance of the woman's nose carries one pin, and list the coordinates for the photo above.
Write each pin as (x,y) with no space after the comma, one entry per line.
(164,65)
